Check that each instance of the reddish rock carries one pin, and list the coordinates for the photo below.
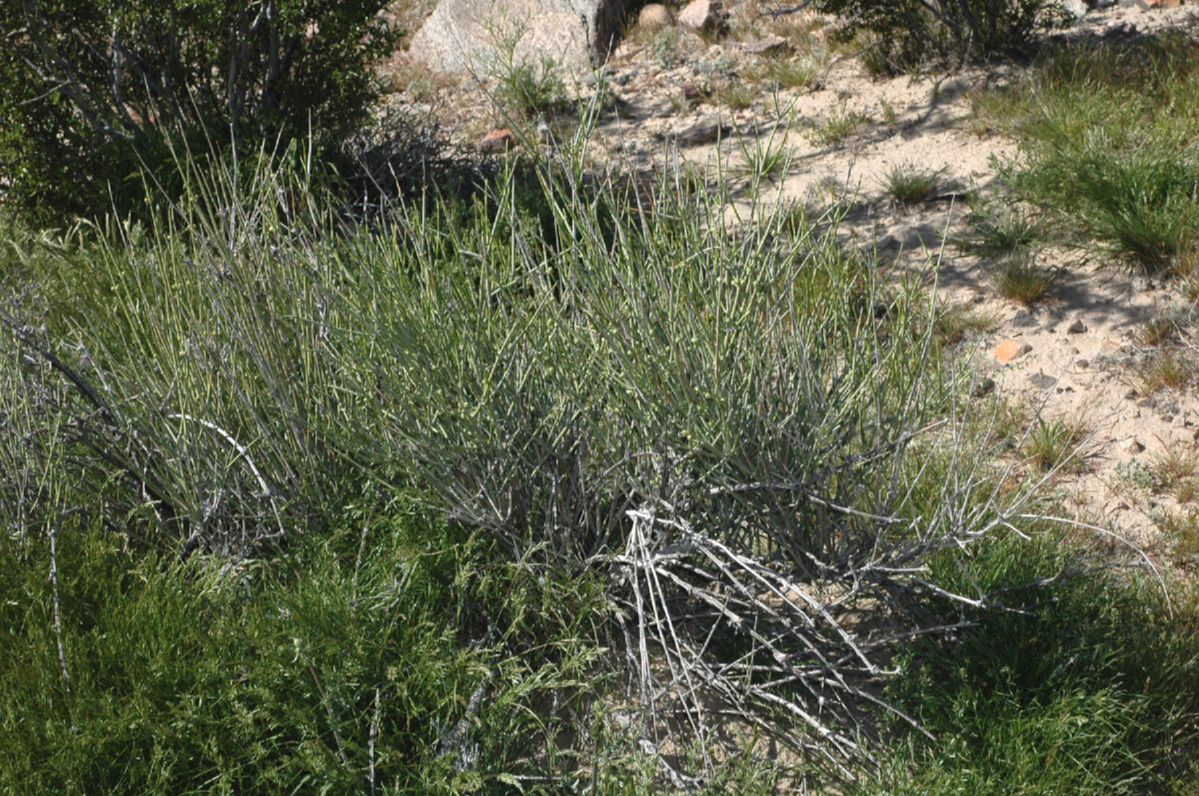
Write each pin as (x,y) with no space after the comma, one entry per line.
(497,141)
(1010,350)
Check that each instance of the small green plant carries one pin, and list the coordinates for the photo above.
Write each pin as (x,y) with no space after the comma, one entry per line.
(532,88)
(908,184)
(665,47)
(1173,471)
(1021,281)
(1165,369)
(787,73)
(955,322)
(1181,528)
(837,126)
(1134,473)
(735,94)
(1053,445)
(765,157)
(1157,332)
(890,114)
(997,110)
(998,232)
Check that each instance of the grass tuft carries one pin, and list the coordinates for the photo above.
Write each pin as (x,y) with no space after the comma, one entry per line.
(1020,281)
(1165,369)
(787,73)
(765,157)
(1053,445)
(956,322)
(736,95)
(837,127)
(907,184)
(1001,233)
(1174,471)
(1106,135)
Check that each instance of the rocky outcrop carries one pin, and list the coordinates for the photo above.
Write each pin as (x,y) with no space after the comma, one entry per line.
(479,36)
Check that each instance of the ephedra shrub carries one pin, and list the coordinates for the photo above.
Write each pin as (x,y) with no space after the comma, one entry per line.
(732,426)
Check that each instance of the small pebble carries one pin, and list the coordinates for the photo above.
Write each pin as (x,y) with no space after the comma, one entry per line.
(1041,381)
(983,388)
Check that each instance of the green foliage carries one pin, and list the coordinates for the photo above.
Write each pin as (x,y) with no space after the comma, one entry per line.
(223,379)
(1023,281)
(908,184)
(1001,232)
(788,73)
(91,92)
(249,381)
(1054,444)
(907,33)
(1087,686)
(349,661)
(839,125)
(954,323)
(735,94)
(765,156)
(1107,142)
(665,47)
(528,85)
(532,88)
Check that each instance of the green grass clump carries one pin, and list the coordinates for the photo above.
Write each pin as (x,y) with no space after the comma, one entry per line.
(787,73)
(1088,686)
(1053,444)
(1022,281)
(955,322)
(1165,369)
(344,665)
(1181,530)
(1174,471)
(765,157)
(907,184)
(1001,233)
(838,126)
(736,95)
(1107,136)
(531,89)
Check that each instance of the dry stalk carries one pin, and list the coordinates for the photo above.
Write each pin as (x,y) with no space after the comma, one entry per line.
(716,634)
